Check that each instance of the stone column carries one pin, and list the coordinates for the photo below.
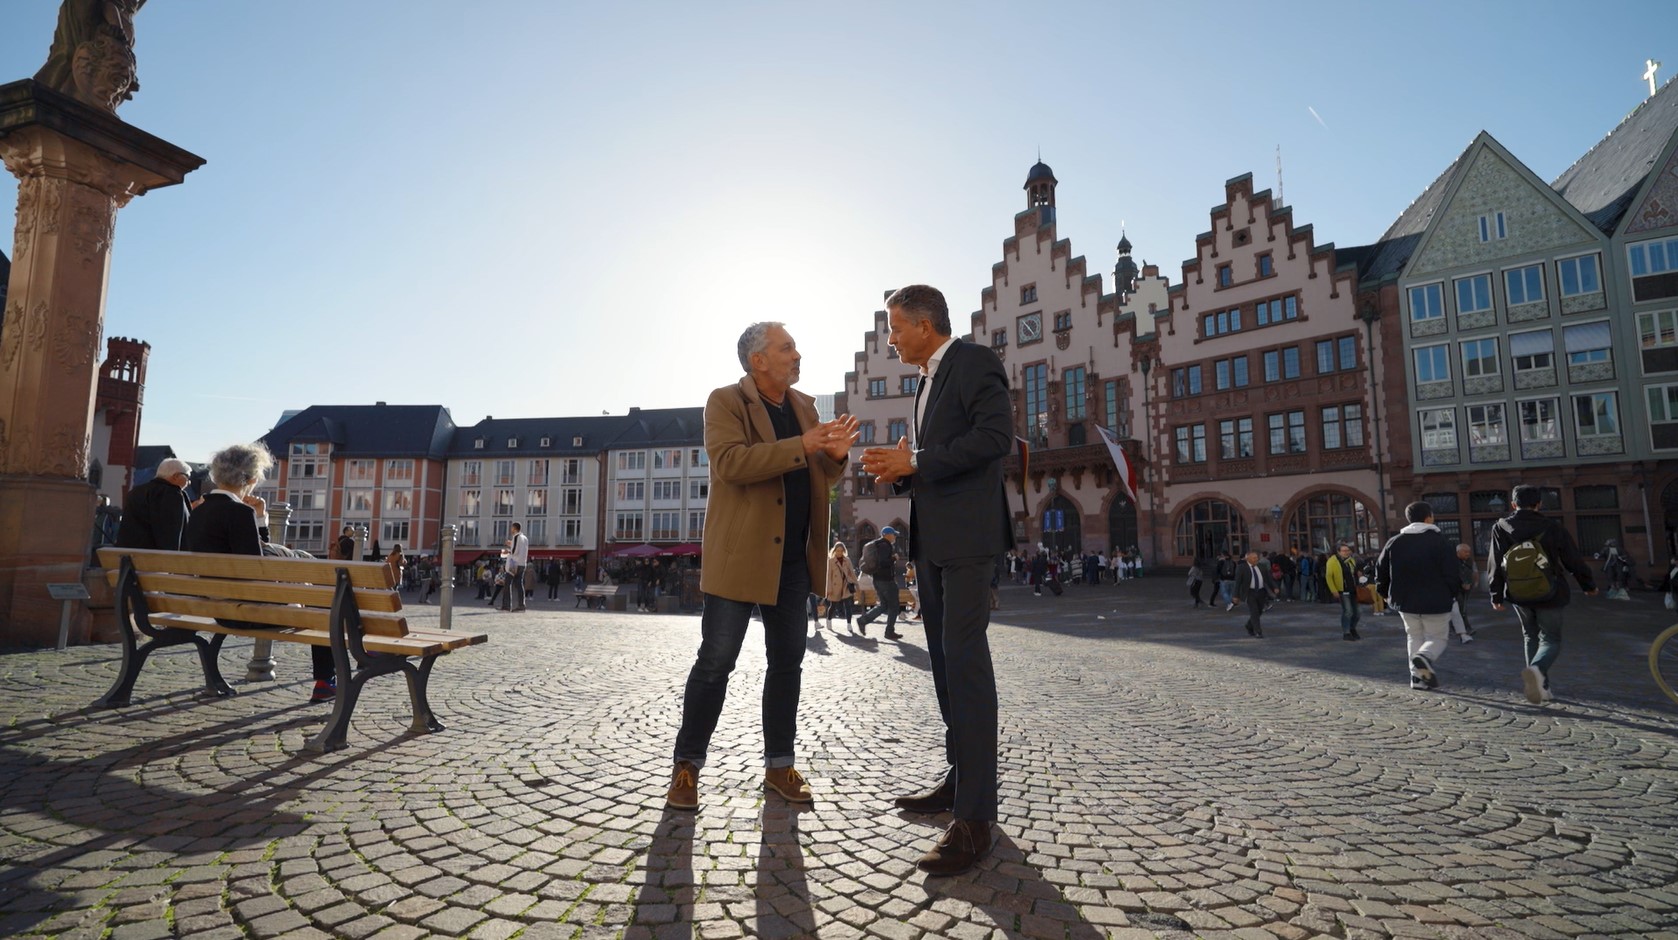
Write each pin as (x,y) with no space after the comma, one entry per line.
(76,167)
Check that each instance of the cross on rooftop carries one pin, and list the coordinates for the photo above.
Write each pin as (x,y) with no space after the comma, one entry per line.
(1649,73)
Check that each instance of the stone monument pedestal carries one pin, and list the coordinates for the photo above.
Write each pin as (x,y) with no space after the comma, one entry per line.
(76,166)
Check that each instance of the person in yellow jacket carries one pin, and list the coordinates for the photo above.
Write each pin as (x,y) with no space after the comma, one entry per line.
(1341,575)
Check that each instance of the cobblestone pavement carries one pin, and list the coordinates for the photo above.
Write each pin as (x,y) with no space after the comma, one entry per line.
(1163,776)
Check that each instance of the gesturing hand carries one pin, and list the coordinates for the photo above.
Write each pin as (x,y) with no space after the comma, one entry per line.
(888,464)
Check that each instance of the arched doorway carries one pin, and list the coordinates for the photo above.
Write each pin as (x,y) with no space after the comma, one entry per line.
(1325,519)
(1063,529)
(1121,523)
(865,533)
(1209,527)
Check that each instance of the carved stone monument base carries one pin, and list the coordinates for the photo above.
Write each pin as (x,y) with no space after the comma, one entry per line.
(76,166)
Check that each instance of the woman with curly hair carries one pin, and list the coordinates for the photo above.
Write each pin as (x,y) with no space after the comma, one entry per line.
(227,522)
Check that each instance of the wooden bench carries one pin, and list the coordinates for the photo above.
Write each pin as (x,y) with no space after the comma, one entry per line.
(597,595)
(349,606)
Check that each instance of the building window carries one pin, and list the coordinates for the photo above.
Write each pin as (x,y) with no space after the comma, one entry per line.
(1278,310)
(1324,520)
(536,502)
(667,459)
(1220,374)
(1663,416)
(1209,527)
(632,491)
(570,532)
(471,472)
(896,430)
(1657,338)
(1265,266)
(501,531)
(998,338)
(1427,302)
(477,443)
(626,527)
(503,502)
(1578,276)
(1287,432)
(536,473)
(1479,358)
(1342,426)
(1439,429)
(1110,399)
(1493,227)
(863,482)
(536,530)
(1028,294)
(1325,356)
(399,500)
(1540,420)
(1073,381)
(469,534)
(399,470)
(667,490)
(1238,370)
(865,432)
(1235,438)
(1281,364)
(1485,425)
(1433,364)
(547,442)
(1533,350)
(1191,443)
(1036,401)
(571,470)
(632,460)
(666,526)
(1474,294)
(512,443)
(699,490)
(1224,321)
(504,473)
(359,471)
(1186,381)
(908,384)
(470,501)
(358,501)
(698,457)
(1063,321)
(696,523)
(1587,343)
(1596,414)
(1226,275)
(571,501)
(876,388)
(1524,285)
(1654,270)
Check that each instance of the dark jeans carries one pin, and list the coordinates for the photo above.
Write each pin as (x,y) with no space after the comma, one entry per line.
(722,630)
(1541,629)
(1194,591)
(955,609)
(515,588)
(1255,610)
(888,605)
(1349,611)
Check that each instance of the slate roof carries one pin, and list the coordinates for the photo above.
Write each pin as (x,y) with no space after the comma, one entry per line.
(378,430)
(650,428)
(1603,182)
(148,456)
(1387,257)
(595,431)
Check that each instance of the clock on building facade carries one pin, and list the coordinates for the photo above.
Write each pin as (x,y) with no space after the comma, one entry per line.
(1030,328)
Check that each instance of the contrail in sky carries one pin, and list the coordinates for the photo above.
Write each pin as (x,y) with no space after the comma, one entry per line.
(1317,116)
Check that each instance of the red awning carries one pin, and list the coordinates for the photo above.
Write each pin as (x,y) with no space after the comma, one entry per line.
(559,553)
(636,551)
(684,550)
(469,556)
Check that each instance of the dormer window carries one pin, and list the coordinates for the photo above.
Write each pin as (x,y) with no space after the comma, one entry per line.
(547,442)
(577,441)
(512,443)
(478,443)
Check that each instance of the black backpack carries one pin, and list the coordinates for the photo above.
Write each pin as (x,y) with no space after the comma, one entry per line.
(871,558)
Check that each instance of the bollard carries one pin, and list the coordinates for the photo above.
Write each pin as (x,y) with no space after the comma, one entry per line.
(445,599)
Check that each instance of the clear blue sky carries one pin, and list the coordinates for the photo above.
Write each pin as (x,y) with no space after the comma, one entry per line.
(530,207)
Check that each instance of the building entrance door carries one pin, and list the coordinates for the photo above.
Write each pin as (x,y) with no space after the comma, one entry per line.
(1121,523)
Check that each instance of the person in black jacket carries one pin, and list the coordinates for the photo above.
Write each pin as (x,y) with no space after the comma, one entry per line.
(882,555)
(1540,622)
(154,514)
(1255,585)
(226,522)
(1417,573)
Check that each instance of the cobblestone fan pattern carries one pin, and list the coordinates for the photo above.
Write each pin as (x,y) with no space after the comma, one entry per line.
(1163,776)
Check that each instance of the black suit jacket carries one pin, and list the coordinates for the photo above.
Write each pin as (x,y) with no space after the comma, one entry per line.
(153,516)
(958,506)
(1244,578)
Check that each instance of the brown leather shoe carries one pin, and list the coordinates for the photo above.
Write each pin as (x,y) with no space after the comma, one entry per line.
(684,787)
(959,849)
(939,799)
(789,783)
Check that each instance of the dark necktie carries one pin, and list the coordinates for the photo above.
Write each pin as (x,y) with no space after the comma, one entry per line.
(1256,583)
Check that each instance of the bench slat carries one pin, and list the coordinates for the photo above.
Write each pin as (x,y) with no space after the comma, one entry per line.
(272,592)
(401,646)
(306,618)
(363,574)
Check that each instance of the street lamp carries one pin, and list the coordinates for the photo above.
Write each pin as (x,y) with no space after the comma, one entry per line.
(1496,504)
(1371,315)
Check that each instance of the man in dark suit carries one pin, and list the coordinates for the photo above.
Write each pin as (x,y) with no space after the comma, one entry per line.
(1255,585)
(154,514)
(958,525)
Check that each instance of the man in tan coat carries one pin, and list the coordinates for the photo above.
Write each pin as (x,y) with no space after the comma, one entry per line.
(773,461)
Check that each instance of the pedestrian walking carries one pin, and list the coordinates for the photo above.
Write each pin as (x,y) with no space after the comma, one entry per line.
(879,561)
(1341,577)
(1196,578)
(840,584)
(1417,570)
(1226,580)
(1255,585)
(1467,578)
(1525,570)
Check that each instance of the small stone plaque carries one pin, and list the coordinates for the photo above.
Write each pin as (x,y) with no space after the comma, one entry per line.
(76,591)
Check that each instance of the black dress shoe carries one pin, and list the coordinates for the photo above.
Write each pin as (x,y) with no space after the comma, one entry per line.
(1250,630)
(1258,632)
(959,849)
(939,799)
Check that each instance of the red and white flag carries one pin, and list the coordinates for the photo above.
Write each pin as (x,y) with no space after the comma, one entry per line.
(1127,473)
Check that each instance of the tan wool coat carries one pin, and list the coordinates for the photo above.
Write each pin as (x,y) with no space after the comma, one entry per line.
(839,574)
(745,518)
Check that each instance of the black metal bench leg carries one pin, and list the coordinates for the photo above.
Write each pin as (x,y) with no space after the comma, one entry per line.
(419,678)
(335,736)
(122,690)
(209,654)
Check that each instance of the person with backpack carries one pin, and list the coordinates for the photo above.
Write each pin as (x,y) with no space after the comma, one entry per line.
(1417,571)
(879,561)
(1529,551)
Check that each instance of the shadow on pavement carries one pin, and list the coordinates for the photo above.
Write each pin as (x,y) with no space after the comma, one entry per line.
(783,895)
(664,901)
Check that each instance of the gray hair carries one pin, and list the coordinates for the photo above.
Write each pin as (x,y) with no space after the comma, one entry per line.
(239,466)
(755,340)
(173,465)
